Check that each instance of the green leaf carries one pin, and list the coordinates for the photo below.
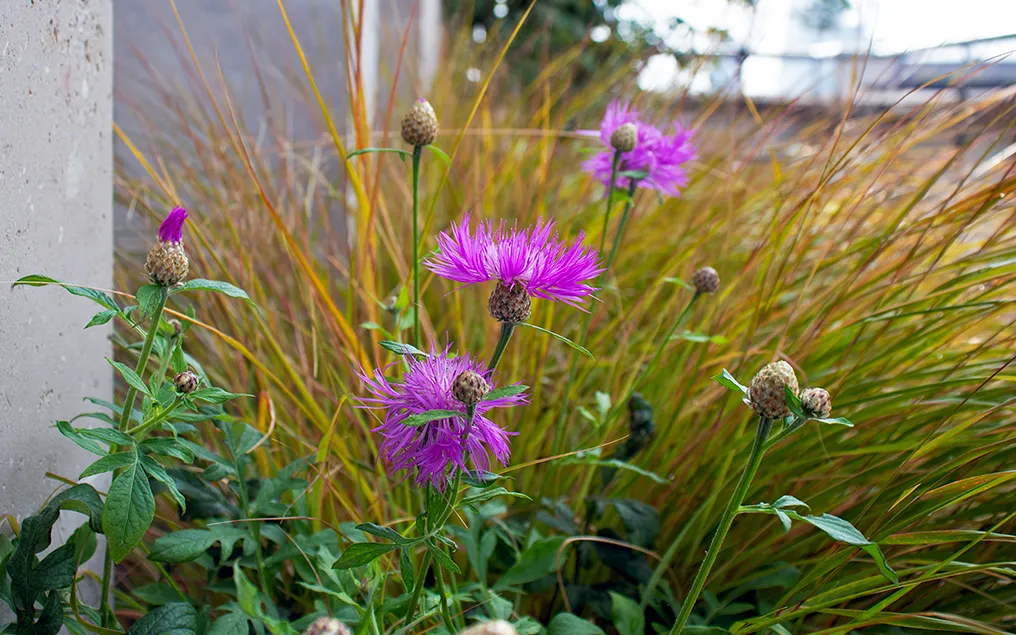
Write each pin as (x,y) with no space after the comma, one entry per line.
(182,546)
(628,616)
(168,446)
(637,175)
(431,415)
(402,349)
(200,284)
(679,282)
(129,511)
(719,340)
(215,395)
(562,338)
(443,559)
(588,459)
(131,377)
(374,150)
(504,391)
(537,561)
(794,403)
(83,442)
(791,502)
(780,629)
(109,463)
(106,435)
(382,532)
(568,624)
(361,553)
(489,494)
(98,297)
(232,623)
(177,618)
(441,154)
(727,380)
(102,317)
(178,361)
(839,421)
(148,298)
(371,326)
(156,471)
(481,479)
(246,593)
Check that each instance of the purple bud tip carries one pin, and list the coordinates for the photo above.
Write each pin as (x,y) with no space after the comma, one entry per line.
(421,100)
(171,229)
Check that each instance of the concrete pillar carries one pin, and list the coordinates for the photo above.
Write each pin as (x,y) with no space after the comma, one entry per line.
(56,73)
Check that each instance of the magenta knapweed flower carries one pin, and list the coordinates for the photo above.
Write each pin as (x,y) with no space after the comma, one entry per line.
(171,229)
(436,449)
(534,258)
(661,157)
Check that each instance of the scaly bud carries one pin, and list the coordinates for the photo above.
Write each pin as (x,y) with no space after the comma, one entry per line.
(706,280)
(186,382)
(625,138)
(510,304)
(767,392)
(469,387)
(816,403)
(419,126)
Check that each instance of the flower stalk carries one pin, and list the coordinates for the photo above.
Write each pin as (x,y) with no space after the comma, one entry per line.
(507,329)
(417,155)
(750,469)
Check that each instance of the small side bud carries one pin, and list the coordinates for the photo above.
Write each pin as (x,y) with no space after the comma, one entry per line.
(469,387)
(816,403)
(175,325)
(706,280)
(327,626)
(493,627)
(767,394)
(510,304)
(186,382)
(419,126)
(625,138)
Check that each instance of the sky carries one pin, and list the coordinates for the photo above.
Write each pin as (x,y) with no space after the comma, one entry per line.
(775,27)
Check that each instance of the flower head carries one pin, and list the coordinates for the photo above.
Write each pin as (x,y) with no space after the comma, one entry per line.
(816,402)
(419,126)
(706,280)
(436,449)
(326,626)
(767,394)
(186,382)
(659,156)
(171,229)
(534,258)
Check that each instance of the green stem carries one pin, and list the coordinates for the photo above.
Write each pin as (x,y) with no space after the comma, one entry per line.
(573,367)
(625,215)
(507,328)
(446,616)
(417,154)
(162,416)
(255,526)
(421,575)
(754,460)
(610,200)
(785,432)
(125,417)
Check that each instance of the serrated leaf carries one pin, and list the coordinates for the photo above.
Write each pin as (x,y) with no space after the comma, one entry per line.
(431,415)
(156,471)
(361,553)
(148,298)
(200,284)
(443,559)
(561,338)
(109,463)
(504,391)
(129,511)
(401,349)
(727,380)
(131,377)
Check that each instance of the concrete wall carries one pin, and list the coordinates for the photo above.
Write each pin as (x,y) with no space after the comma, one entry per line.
(55,218)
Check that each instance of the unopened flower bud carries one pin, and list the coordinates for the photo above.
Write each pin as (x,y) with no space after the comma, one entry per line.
(706,280)
(186,382)
(167,263)
(767,392)
(469,387)
(510,304)
(326,626)
(419,126)
(175,325)
(494,627)
(625,138)
(816,403)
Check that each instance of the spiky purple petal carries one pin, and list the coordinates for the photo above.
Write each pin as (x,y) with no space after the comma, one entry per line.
(545,265)
(436,450)
(661,157)
(171,229)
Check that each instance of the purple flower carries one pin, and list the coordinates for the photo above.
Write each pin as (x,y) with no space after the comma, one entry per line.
(171,229)
(535,258)
(434,447)
(659,156)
